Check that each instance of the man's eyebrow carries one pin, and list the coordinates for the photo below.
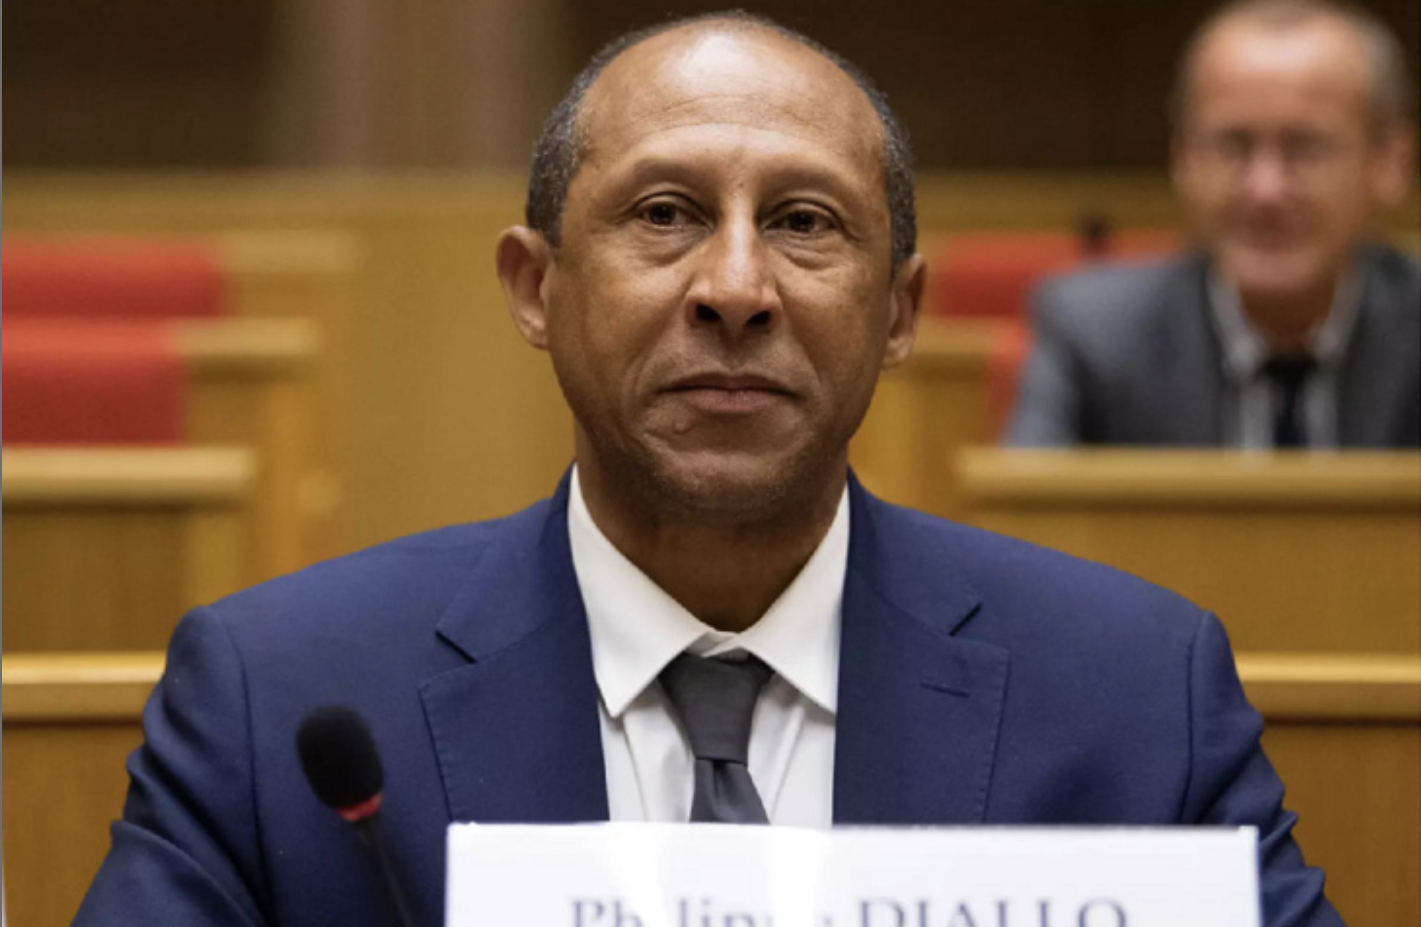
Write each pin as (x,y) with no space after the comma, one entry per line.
(656,167)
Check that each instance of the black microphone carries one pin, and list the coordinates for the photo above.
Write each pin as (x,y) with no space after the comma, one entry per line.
(343,767)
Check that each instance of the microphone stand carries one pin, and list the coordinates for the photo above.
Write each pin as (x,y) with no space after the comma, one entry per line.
(370,832)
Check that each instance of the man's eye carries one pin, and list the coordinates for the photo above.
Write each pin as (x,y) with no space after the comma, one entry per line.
(805,222)
(663,214)
(1233,146)
(1307,147)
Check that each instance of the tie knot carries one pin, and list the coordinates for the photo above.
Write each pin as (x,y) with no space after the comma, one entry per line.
(715,700)
(1289,370)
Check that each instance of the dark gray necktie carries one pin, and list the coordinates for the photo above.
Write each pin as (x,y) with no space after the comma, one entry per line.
(715,700)
(1289,372)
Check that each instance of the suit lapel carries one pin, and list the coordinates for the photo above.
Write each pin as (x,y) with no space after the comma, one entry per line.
(516,730)
(919,709)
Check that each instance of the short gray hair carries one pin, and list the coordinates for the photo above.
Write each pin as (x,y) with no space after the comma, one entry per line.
(1393,103)
(560,147)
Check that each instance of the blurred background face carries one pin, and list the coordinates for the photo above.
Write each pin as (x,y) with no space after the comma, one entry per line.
(1278,158)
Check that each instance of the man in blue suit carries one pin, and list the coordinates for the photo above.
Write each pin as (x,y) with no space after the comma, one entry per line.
(719,259)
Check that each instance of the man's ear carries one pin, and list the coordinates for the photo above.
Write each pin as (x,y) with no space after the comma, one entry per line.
(524,258)
(906,301)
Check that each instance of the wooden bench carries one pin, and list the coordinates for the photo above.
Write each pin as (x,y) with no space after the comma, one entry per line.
(310,274)
(252,382)
(105,549)
(1295,552)
(297,277)
(235,381)
(1343,731)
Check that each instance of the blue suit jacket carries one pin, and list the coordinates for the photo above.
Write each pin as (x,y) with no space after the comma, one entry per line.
(982,680)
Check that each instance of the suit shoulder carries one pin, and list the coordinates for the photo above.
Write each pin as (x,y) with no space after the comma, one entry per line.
(1117,287)
(1032,593)
(1399,275)
(414,577)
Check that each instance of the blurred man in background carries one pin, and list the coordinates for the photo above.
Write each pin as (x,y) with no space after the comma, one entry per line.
(1289,328)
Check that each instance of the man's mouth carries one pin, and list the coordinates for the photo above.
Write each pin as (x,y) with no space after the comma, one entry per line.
(729,394)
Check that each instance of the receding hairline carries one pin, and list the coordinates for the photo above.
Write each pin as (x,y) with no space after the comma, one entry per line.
(699,28)
(1387,105)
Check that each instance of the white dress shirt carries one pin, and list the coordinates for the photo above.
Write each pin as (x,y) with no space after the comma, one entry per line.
(1252,402)
(637,629)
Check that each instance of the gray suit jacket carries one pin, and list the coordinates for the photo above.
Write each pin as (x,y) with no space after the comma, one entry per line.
(1129,355)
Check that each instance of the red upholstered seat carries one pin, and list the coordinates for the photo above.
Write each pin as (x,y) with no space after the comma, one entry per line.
(111,277)
(991,274)
(90,382)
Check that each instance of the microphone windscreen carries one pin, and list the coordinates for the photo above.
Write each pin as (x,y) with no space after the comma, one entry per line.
(339,757)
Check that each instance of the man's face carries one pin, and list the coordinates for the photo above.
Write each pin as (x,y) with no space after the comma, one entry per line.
(1277,156)
(723,299)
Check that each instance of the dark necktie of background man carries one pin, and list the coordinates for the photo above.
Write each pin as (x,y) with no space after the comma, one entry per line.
(1289,373)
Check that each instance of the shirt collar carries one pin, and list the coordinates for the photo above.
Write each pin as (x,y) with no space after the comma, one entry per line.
(637,628)
(1245,348)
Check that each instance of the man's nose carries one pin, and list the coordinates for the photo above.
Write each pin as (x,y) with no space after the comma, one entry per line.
(1267,178)
(734,289)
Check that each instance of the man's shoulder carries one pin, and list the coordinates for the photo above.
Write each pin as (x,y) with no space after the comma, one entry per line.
(1108,314)
(1026,595)
(394,587)
(1115,287)
(1396,277)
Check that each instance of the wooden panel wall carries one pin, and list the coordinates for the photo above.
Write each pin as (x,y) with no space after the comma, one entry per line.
(999,84)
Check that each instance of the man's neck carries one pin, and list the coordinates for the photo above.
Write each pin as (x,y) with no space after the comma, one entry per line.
(1287,321)
(727,571)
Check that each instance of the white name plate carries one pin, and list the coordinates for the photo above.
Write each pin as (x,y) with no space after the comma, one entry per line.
(677,875)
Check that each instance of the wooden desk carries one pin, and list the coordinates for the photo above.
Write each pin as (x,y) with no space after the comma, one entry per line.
(1296,552)
(1344,733)
(105,549)
(925,410)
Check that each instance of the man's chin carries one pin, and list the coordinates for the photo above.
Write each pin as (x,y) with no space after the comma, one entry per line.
(731,484)
(1275,273)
